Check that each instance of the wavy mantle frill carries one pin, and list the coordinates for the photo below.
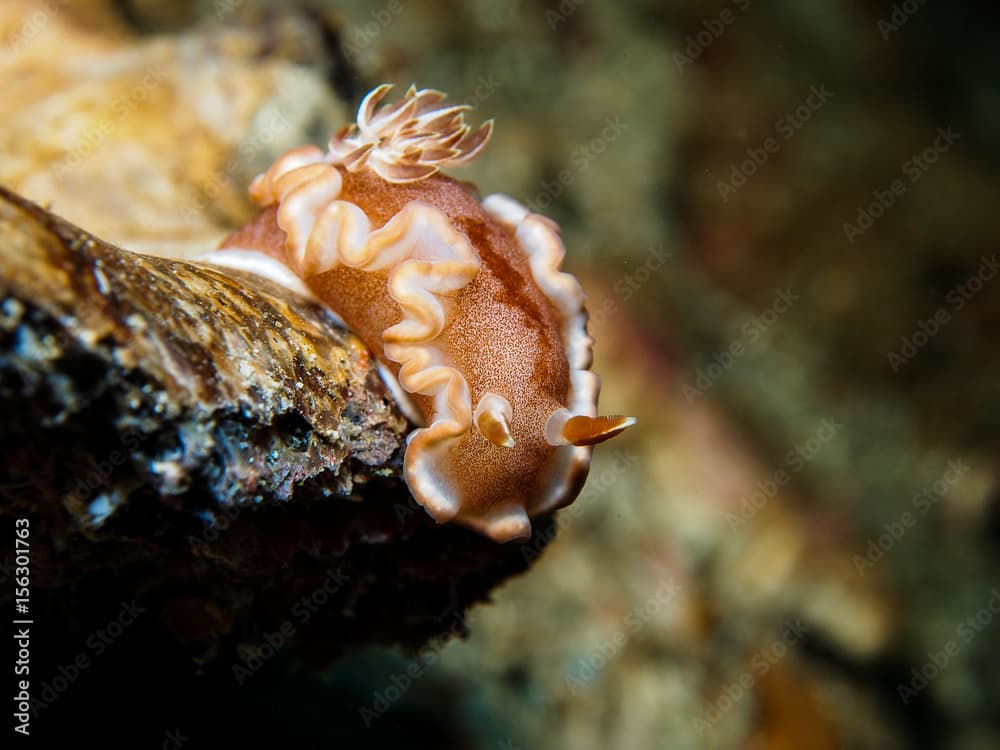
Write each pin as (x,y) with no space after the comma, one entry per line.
(427,261)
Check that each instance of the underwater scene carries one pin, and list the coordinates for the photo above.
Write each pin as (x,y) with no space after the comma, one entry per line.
(543,374)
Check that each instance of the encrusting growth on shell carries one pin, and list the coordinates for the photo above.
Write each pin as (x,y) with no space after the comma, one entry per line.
(463,303)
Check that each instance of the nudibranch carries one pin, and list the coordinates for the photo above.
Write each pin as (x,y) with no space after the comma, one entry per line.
(461,302)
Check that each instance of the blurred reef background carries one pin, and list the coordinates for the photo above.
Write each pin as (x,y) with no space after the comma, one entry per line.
(785,218)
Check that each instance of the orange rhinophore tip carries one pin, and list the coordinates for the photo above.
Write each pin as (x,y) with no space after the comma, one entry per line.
(593,430)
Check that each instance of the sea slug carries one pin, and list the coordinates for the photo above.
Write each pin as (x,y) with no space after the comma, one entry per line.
(479,334)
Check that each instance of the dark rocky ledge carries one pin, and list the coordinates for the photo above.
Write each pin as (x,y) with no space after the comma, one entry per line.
(217,451)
